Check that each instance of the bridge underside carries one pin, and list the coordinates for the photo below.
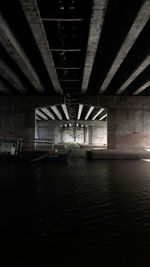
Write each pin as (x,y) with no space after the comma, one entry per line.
(60,61)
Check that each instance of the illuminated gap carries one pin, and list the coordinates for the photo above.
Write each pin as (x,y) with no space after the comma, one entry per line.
(89,112)
(98,113)
(103,117)
(65,111)
(79,112)
(56,111)
(39,113)
(48,113)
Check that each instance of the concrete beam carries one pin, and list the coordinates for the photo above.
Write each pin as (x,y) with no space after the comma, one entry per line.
(10,76)
(48,113)
(79,112)
(32,15)
(97,114)
(64,107)
(96,24)
(40,114)
(89,112)
(103,117)
(142,88)
(137,27)
(56,111)
(37,117)
(134,75)
(14,49)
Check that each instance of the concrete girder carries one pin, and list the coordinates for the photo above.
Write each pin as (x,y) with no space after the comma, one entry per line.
(64,107)
(37,117)
(96,24)
(137,27)
(14,49)
(139,70)
(32,15)
(48,113)
(103,115)
(79,111)
(142,88)
(40,114)
(89,112)
(10,76)
(98,113)
(56,111)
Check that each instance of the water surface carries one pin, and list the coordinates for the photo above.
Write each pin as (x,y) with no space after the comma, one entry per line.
(79,213)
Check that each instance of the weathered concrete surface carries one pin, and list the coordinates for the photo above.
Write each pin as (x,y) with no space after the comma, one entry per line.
(129,129)
(18,122)
(128,121)
(32,15)
(10,43)
(111,128)
(136,29)
(17,116)
(96,24)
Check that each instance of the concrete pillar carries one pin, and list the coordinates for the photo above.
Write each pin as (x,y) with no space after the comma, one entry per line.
(61,135)
(85,135)
(129,129)
(111,129)
(90,134)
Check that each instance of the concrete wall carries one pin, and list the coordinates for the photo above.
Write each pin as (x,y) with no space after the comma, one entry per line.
(18,122)
(128,120)
(95,133)
(17,116)
(129,130)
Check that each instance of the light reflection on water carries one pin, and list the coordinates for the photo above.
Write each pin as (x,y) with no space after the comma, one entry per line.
(92,210)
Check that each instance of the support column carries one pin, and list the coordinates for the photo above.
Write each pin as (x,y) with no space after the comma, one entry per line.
(111,129)
(85,135)
(61,134)
(90,134)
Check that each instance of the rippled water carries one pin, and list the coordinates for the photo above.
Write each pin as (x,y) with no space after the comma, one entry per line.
(79,213)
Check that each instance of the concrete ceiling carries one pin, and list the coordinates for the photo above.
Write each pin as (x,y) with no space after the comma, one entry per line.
(64,47)
(60,112)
